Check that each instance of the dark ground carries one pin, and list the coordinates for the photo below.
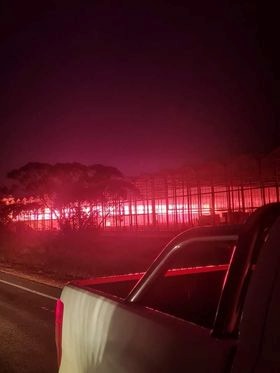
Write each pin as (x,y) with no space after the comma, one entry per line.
(27,327)
(79,254)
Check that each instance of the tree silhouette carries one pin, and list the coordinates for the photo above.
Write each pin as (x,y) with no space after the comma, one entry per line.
(66,188)
(9,209)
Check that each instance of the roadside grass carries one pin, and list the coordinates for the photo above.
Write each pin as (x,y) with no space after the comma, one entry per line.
(80,254)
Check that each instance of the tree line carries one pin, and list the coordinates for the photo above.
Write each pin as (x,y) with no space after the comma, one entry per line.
(64,189)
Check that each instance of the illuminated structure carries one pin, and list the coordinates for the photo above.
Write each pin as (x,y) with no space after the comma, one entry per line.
(214,194)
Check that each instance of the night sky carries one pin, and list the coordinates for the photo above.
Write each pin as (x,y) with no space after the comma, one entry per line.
(138,86)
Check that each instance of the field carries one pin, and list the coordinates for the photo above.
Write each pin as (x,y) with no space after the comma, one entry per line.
(80,254)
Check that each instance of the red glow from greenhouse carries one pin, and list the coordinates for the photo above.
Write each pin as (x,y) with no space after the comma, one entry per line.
(183,208)
(162,209)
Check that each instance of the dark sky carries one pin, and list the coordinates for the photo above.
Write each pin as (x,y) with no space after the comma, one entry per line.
(138,86)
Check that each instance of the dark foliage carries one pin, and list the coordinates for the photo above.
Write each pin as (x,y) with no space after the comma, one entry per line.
(65,188)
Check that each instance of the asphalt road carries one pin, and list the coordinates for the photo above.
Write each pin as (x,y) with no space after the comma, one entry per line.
(27,340)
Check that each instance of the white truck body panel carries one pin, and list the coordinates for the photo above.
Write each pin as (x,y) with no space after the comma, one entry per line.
(148,343)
